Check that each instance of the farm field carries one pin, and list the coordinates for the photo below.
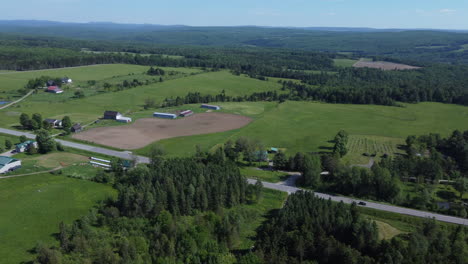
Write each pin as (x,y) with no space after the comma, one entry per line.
(384,65)
(308,126)
(359,145)
(147,130)
(90,108)
(344,62)
(263,175)
(32,207)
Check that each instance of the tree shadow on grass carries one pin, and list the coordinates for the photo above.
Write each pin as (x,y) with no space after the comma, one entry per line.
(446,195)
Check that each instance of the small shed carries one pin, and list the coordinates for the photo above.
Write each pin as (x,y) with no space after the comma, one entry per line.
(76,128)
(186,113)
(274,150)
(212,107)
(165,115)
(66,80)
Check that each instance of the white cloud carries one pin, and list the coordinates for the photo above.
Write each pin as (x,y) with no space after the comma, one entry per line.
(447,11)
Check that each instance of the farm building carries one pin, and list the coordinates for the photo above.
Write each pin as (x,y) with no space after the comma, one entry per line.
(54,89)
(186,113)
(66,80)
(165,115)
(22,147)
(76,128)
(212,107)
(112,115)
(54,122)
(124,119)
(9,164)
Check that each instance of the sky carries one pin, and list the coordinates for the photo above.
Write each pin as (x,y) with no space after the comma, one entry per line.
(440,14)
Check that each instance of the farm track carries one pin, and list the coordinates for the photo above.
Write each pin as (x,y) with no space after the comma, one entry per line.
(278,186)
(17,101)
(32,173)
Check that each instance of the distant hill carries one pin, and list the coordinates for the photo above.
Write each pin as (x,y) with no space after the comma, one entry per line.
(414,44)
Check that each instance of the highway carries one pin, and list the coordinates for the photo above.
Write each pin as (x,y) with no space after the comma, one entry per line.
(286,186)
(377,206)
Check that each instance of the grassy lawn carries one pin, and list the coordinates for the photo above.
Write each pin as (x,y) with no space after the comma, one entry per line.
(254,214)
(263,175)
(32,207)
(309,126)
(387,231)
(344,62)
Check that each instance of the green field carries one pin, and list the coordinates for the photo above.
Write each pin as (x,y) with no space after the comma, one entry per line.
(254,214)
(90,108)
(309,126)
(344,62)
(359,145)
(32,207)
(263,175)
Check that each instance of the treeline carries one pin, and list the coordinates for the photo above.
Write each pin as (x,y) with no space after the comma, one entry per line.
(312,230)
(171,211)
(445,84)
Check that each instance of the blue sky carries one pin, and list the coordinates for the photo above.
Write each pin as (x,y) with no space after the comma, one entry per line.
(446,14)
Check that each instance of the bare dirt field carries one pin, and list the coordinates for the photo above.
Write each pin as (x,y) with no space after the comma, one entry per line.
(384,65)
(147,130)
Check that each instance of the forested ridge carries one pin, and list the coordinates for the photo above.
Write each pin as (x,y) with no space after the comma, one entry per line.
(312,230)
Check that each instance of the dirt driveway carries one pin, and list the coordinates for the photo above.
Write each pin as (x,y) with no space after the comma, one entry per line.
(147,130)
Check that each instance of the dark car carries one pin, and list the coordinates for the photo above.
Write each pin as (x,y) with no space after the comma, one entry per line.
(362,203)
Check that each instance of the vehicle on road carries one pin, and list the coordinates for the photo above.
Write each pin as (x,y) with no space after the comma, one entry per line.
(362,203)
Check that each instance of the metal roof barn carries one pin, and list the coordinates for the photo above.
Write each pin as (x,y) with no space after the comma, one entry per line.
(165,115)
(212,107)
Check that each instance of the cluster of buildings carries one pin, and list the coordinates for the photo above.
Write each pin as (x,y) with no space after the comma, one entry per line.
(184,113)
(53,87)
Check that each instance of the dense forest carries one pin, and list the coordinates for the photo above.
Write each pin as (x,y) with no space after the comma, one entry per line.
(171,211)
(312,230)
(406,45)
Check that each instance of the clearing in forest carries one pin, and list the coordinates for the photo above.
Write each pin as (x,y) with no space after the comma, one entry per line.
(384,65)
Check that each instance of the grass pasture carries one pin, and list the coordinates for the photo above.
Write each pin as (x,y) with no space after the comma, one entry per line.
(90,108)
(344,62)
(32,207)
(308,126)
(263,175)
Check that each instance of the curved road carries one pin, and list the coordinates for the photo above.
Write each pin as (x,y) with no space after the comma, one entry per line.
(285,186)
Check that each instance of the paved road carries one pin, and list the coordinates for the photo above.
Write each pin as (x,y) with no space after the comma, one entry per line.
(104,151)
(283,186)
(377,206)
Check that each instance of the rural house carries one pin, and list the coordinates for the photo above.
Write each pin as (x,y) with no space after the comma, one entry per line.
(165,115)
(212,107)
(54,89)
(22,147)
(9,164)
(76,128)
(186,113)
(54,123)
(50,83)
(124,119)
(112,115)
